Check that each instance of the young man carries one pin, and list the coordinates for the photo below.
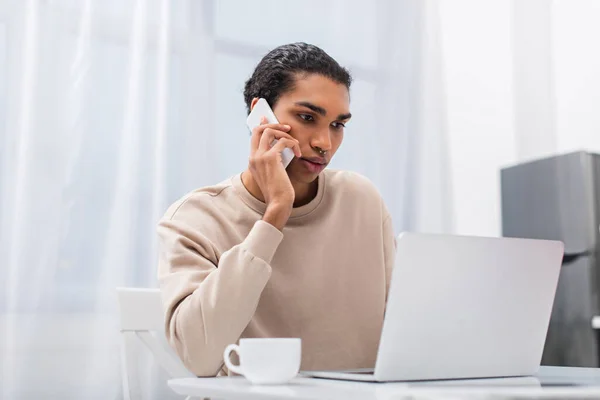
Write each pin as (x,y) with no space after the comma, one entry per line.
(273,252)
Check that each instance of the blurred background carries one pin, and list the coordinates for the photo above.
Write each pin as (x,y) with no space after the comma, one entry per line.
(110,110)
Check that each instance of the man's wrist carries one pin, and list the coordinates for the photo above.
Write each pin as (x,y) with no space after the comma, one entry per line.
(277,215)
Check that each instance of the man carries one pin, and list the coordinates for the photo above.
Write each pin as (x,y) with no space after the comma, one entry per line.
(273,252)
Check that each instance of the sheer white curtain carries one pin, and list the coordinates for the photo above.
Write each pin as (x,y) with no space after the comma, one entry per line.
(103,103)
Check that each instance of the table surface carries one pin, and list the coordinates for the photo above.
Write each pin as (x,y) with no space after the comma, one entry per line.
(548,384)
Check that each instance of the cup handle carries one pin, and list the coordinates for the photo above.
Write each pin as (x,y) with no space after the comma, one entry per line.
(227,353)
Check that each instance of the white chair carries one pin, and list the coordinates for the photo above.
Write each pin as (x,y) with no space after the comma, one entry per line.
(141,320)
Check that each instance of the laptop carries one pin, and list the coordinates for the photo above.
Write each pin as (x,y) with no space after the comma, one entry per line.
(464,307)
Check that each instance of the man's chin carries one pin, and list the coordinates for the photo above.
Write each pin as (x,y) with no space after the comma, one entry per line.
(305,177)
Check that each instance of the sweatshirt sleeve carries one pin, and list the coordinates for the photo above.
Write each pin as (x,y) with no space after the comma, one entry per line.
(208,306)
(389,250)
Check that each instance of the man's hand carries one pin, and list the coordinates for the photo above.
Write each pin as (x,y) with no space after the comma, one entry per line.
(267,170)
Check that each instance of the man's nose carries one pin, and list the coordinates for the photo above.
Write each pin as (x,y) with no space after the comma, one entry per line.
(322,140)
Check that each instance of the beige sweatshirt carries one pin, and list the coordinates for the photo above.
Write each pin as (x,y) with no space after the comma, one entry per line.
(224,274)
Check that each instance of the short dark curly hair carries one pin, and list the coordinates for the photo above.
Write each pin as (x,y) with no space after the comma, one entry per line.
(275,73)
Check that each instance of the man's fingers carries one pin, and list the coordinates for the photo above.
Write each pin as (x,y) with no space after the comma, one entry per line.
(284,143)
(258,131)
(255,136)
(262,127)
(269,135)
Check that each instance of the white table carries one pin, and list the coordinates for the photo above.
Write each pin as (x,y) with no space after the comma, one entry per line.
(311,389)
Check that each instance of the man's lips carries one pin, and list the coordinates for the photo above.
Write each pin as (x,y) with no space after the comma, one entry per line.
(315,166)
(315,160)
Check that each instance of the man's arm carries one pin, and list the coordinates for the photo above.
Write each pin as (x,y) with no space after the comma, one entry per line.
(389,249)
(208,306)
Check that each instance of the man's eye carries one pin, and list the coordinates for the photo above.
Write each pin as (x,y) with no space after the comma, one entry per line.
(306,117)
(338,125)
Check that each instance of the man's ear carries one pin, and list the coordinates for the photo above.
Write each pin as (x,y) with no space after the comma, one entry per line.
(253,103)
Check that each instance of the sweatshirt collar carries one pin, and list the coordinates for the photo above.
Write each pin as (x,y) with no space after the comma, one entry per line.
(261,207)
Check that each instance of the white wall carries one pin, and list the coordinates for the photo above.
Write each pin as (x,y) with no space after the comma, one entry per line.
(522,81)
(478,80)
(576,32)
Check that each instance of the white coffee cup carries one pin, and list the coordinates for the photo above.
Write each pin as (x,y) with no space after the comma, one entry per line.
(266,361)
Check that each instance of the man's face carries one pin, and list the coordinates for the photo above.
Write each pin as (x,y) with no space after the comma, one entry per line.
(316,110)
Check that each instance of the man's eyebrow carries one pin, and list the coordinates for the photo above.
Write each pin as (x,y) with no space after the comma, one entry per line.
(315,108)
(321,110)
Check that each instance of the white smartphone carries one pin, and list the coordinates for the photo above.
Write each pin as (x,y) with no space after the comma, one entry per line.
(262,109)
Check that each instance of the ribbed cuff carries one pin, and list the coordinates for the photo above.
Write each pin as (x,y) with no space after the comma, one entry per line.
(263,240)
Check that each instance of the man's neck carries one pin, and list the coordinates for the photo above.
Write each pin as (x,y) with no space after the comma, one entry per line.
(304,192)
